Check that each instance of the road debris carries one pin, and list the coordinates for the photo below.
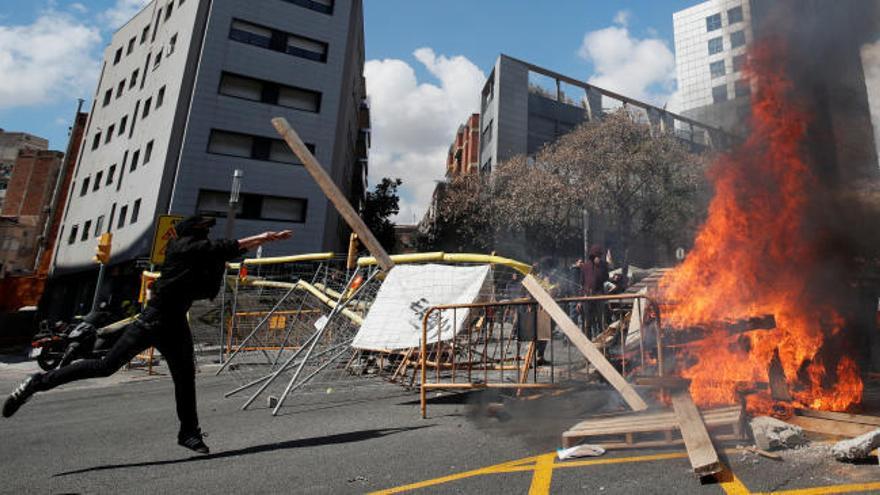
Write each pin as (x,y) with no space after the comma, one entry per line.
(856,448)
(771,433)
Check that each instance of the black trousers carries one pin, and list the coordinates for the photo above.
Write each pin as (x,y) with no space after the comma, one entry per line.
(167,331)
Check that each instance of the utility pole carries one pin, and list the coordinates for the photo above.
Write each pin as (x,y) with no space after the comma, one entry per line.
(233,202)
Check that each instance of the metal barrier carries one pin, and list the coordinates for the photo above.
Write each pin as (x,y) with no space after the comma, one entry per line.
(511,344)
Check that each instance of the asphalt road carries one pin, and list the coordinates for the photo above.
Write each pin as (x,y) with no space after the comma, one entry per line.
(117,435)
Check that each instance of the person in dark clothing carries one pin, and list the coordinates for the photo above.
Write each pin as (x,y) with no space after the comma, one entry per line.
(193,269)
(595,274)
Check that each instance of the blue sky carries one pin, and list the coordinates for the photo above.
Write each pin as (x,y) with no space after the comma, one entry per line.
(426,63)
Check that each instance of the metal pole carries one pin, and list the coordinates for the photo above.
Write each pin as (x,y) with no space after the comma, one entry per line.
(98,287)
(233,202)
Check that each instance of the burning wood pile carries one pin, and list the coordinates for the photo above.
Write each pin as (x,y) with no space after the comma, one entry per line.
(751,319)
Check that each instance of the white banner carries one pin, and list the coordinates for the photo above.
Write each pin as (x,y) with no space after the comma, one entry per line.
(395,317)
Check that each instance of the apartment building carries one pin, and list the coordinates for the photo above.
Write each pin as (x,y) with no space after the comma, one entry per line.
(10,144)
(185,97)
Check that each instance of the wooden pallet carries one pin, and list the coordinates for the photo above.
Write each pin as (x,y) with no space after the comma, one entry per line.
(655,429)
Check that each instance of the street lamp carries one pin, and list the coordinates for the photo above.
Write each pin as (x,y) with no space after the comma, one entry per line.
(233,202)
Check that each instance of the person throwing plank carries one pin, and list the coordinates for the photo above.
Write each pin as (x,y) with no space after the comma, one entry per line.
(193,269)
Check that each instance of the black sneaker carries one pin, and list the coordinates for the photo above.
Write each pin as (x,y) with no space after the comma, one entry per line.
(19,396)
(193,441)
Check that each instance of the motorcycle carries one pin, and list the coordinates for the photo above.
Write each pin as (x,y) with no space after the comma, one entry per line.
(92,338)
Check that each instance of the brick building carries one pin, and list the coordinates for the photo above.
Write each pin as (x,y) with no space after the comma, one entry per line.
(10,144)
(24,213)
(464,152)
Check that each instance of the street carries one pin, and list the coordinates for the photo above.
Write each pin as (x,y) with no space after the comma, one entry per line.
(117,435)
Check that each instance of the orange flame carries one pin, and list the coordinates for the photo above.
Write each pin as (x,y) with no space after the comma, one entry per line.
(754,256)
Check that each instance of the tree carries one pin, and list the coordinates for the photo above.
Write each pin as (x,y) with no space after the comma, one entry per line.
(639,182)
(381,204)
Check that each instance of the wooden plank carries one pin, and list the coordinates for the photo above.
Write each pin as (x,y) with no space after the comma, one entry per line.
(838,416)
(665,420)
(663,381)
(333,193)
(587,348)
(704,458)
(830,426)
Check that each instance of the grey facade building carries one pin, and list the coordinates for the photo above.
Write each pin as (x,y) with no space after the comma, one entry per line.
(711,40)
(524,107)
(185,97)
(10,144)
(824,44)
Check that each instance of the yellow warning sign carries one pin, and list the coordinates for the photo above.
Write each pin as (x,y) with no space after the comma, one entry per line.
(164,233)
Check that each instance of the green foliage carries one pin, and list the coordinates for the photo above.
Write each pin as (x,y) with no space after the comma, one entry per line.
(381,204)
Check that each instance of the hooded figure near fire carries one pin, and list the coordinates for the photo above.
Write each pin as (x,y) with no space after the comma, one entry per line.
(193,270)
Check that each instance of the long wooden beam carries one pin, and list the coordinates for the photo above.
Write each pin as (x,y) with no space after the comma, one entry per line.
(333,193)
(587,348)
(704,458)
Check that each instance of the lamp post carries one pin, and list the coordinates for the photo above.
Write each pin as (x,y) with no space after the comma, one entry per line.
(233,202)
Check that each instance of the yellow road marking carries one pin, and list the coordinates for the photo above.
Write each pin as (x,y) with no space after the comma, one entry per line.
(543,475)
(823,490)
(731,484)
(543,465)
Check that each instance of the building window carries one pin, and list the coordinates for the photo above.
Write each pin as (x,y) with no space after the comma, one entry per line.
(72,237)
(270,92)
(133,81)
(86,228)
(487,167)
(719,94)
(130,46)
(169,9)
(98,177)
(716,69)
(135,211)
(160,98)
(148,152)
(123,212)
(107,96)
(109,136)
(172,43)
(742,88)
(145,33)
(713,22)
(96,141)
(146,72)
(253,206)
(134,160)
(120,88)
(99,225)
(110,174)
(122,124)
(156,25)
(84,188)
(147,105)
(737,39)
(255,147)
(486,136)
(322,6)
(738,62)
(735,15)
(118,56)
(158,60)
(716,45)
(298,46)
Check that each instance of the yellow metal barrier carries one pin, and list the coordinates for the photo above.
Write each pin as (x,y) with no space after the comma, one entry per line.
(442,257)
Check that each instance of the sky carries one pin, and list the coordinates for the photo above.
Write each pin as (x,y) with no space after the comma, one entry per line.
(426,64)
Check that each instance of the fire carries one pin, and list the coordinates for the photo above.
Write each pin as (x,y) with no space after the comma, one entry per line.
(757,255)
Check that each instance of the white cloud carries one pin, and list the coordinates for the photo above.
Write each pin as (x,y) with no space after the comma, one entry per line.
(78,7)
(622,17)
(122,11)
(47,60)
(871,63)
(414,123)
(639,68)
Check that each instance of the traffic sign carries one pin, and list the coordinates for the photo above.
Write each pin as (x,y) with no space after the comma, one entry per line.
(163,234)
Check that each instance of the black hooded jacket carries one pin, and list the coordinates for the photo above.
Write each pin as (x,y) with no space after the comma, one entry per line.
(193,268)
